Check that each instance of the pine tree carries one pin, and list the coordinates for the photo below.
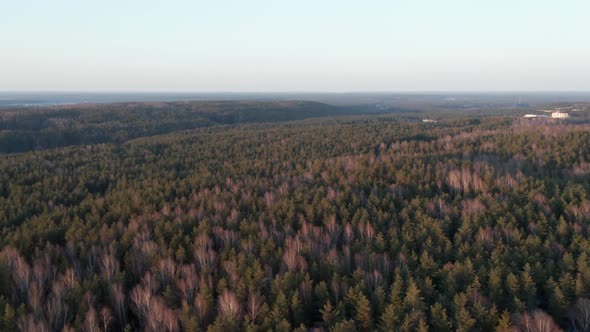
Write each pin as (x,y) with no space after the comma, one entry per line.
(422,327)
(344,326)
(528,287)
(8,322)
(363,311)
(330,314)
(463,320)
(504,323)
(409,322)
(557,300)
(390,317)
(297,314)
(495,285)
(512,285)
(413,299)
(438,318)
(427,264)
(280,308)
(379,299)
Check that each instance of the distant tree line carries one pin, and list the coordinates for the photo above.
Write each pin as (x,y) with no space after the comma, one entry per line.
(50,127)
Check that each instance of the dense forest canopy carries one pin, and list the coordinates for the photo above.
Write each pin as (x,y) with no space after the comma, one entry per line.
(291,216)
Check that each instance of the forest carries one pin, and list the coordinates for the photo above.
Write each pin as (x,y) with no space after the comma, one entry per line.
(291,216)
(26,129)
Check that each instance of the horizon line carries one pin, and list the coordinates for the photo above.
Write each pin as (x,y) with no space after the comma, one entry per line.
(291,91)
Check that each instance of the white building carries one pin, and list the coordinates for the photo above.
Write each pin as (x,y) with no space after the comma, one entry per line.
(535,116)
(559,115)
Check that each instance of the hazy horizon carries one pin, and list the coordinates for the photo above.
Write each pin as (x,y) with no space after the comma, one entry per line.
(500,99)
(294,91)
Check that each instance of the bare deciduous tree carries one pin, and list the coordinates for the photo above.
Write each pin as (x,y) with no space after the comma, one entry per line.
(187,284)
(68,328)
(229,306)
(170,320)
(161,318)
(141,300)
(35,300)
(109,266)
(118,302)
(105,318)
(580,315)
(165,271)
(290,259)
(201,308)
(253,305)
(69,278)
(56,308)
(536,321)
(29,324)
(91,321)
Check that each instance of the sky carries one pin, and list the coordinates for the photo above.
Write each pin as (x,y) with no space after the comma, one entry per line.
(294,46)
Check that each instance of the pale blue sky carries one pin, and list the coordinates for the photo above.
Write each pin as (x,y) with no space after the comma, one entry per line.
(256,45)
